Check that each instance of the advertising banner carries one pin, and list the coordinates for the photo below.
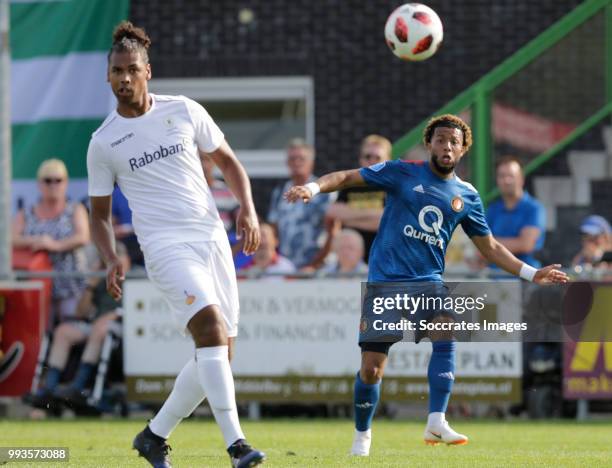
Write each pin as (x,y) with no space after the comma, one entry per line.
(298,342)
(587,364)
(22,325)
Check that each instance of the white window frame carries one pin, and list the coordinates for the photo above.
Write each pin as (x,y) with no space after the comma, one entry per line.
(258,163)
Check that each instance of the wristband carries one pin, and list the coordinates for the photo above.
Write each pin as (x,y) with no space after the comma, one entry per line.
(313,187)
(527,272)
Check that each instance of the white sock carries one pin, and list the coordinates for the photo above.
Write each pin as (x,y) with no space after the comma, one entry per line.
(435,419)
(185,397)
(218,382)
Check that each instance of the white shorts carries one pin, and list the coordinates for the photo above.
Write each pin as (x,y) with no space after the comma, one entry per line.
(195,275)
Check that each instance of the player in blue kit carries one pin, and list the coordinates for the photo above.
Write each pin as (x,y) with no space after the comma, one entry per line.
(425,203)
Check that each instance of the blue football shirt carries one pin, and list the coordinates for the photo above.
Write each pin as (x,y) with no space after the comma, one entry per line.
(421,212)
(508,223)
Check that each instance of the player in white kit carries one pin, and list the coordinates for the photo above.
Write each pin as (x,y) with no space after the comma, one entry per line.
(152,147)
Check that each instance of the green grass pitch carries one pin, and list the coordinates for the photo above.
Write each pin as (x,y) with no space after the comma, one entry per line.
(323,443)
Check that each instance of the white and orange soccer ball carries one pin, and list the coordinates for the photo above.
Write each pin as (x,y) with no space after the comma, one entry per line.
(414,32)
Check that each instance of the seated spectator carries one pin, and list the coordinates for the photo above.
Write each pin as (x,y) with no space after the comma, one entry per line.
(361,208)
(348,247)
(266,260)
(517,220)
(596,232)
(60,228)
(299,226)
(95,313)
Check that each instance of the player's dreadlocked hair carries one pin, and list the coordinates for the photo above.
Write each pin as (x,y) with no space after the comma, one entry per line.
(129,38)
(448,121)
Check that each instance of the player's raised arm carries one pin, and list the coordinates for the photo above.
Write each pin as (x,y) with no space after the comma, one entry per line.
(238,181)
(328,183)
(496,253)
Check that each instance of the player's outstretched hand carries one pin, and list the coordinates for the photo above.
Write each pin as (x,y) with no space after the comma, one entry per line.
(247,227)
(298,192)
(114,276)
(550,274)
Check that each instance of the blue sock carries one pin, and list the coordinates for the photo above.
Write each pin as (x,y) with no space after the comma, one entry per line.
(51,380)
(84,372)
(365,400)
(441,375)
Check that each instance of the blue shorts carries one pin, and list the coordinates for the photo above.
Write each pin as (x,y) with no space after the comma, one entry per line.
(387,308)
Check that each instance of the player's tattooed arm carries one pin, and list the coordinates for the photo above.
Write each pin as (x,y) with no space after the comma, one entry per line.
(328,183)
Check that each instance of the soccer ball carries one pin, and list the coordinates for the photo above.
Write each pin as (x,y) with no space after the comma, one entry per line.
(413,32)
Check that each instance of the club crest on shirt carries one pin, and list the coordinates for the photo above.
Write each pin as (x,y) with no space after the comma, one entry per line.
(189,298)
(457,203)
(171,126)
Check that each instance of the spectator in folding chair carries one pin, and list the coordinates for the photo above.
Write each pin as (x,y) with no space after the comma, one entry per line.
(59,227)
(96,312)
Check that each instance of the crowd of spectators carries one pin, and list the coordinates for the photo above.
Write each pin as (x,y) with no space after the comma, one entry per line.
(329,236)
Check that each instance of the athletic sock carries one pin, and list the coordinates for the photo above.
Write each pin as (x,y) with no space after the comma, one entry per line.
(186,396)
(215,375)
(441,375)
(365,400)
(84,373)
(436,419)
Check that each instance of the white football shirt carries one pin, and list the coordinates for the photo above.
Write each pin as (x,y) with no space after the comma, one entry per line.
(154,159)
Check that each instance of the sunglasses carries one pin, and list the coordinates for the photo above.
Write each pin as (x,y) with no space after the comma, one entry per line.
(52,180)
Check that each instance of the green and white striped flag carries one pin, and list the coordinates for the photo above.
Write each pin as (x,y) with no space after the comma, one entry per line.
(59,93)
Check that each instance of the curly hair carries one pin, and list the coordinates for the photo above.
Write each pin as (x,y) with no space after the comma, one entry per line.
(448,121)
(129,38)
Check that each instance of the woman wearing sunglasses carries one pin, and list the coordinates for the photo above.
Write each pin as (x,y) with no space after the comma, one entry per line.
(59,227)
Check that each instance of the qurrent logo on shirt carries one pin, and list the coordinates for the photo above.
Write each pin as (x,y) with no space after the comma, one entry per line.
(161,153)
(430,232)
